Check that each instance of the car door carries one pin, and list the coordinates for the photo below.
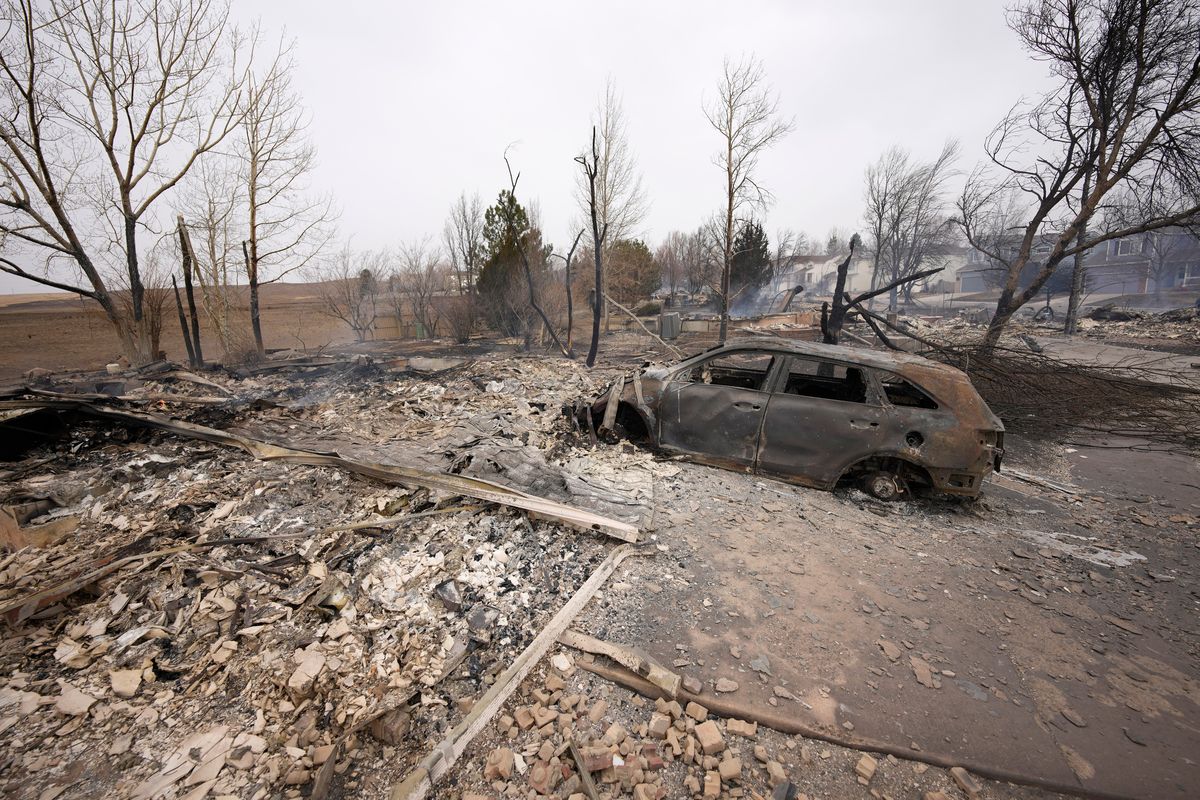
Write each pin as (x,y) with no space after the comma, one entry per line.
(714,409)
(823,416)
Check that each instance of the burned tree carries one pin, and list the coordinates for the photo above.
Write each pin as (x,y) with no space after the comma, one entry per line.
(619,199)
(1123,115)
(591,168)
(745,114)
(567,262)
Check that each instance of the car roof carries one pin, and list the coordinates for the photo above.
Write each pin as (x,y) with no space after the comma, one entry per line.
(889,360)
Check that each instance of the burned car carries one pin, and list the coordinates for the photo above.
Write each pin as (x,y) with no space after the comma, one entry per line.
(812,414)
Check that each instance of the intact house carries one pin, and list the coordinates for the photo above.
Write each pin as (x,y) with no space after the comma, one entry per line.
(1148,262)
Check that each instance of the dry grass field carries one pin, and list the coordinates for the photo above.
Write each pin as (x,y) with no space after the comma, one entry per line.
(57,331)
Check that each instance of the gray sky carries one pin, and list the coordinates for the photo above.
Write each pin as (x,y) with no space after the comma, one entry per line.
(413,103)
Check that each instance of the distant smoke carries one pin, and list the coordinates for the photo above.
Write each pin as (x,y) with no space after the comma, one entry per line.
(757,302)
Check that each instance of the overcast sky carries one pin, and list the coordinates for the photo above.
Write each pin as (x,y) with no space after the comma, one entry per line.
(413,103)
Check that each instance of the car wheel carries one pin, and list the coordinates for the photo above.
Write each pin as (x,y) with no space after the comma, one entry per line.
(883,485)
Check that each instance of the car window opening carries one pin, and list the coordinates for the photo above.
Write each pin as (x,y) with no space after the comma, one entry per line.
(902,393)
(827,381)
(741,370)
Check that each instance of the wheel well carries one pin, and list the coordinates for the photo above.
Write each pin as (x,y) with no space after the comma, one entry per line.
(628,424)
(631,424)
(913,474)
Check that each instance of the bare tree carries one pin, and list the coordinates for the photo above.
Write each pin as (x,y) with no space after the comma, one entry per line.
(619,198)
(422,279)
(463,238)
(1124,115)
(703,260)
(745,114)
(349,290)
(908,216)
(672,256)
(104,108)
(286,226)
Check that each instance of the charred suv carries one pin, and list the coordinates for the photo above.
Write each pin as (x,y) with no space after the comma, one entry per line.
(813,414)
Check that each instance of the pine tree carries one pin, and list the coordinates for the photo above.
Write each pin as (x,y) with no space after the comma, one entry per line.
(750,265)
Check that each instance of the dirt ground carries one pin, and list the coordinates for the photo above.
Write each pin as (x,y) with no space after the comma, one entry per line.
(1046,633)
(58,332)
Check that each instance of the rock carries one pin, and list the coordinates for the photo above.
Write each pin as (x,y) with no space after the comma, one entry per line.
(967,782)
(322,754)
(730,769)
(659,723)
(499,765)
(615,733)
(392,727)
(696,711)
(787,791)
(712,785)
(1074,718)
(1134,737)
(596,759)
(543,777)
(645,791)
(120,745)
(125,682)
(922,670)
(709,737)
(554,683)
(563,663)
(543,716)
(598,710)
(523,717)
(737,727)
(692,685)
(865,769)
(890,649)
(725,685)
(449,594)
(775,773)
(297,776)
(760,754)
(761,664)
(72,702)
(310,663)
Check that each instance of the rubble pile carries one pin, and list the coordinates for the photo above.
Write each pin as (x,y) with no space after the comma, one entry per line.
(209,624)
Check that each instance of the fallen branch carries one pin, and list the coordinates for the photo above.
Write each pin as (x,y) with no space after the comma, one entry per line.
(640,663)
(678,353)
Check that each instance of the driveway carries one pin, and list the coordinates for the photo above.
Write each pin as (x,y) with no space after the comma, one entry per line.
(1036,631)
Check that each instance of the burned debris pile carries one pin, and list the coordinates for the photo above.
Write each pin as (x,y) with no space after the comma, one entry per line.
(187,619)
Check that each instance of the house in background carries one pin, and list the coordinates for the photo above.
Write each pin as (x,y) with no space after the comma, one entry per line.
(1142,264)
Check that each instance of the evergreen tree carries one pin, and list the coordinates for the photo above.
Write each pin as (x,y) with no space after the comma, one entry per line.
(750,265)
(501,284)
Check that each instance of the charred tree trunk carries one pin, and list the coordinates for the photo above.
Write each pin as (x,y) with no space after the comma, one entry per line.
(1078,270)
(195,352)
(252,276)
(183,326)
